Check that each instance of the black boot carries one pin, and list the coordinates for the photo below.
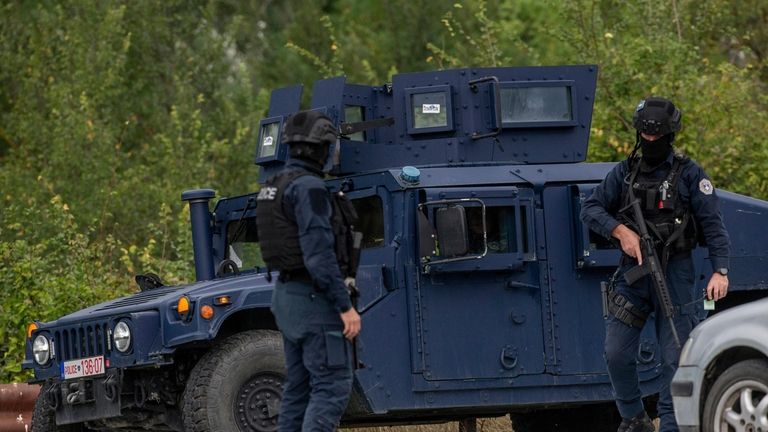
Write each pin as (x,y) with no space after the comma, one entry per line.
(639,423)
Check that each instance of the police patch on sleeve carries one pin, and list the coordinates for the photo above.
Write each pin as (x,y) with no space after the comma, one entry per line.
(705,186)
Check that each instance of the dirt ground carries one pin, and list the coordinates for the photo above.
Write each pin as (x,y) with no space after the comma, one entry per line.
(498,424)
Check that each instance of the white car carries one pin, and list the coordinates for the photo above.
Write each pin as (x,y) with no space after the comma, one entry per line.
(722,382)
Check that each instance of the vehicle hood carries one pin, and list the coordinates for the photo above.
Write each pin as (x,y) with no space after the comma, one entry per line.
(753,313)
(742,326)
(250,285)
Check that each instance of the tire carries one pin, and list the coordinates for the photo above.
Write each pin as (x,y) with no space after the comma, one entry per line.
(594,418)
(747,379)
(44,416)
(237,385)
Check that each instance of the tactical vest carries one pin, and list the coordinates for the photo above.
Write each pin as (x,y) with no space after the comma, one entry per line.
(279,235)
(669,220)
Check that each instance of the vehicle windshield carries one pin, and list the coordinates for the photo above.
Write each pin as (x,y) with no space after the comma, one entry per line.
(243,239)
(243,244)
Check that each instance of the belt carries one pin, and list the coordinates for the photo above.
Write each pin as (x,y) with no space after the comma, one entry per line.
(298,275)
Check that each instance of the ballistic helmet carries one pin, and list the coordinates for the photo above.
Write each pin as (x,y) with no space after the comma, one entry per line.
(311,127)
(309,135)
(657,116)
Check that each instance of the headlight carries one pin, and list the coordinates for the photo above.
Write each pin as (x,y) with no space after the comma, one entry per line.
(122,336)
(41,349)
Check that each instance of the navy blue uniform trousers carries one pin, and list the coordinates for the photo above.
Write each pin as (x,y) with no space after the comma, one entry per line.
(622,341)
(317,358)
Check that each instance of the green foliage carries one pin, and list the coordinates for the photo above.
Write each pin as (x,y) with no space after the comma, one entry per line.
(46,276)
(110,109)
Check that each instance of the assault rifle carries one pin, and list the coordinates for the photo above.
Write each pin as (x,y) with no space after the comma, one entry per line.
(651,266)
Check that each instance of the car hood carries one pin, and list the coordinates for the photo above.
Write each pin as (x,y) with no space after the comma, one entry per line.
(754,312)
(250,284)
(742,326)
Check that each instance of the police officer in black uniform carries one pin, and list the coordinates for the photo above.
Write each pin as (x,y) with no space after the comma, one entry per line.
(311,302)
(680,206)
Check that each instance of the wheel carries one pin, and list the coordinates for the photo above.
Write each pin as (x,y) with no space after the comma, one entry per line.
(44,416)
(237,386)
(738,400)
(601,417)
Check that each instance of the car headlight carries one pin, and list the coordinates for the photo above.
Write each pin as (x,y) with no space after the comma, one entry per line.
(122,336)
(41,349)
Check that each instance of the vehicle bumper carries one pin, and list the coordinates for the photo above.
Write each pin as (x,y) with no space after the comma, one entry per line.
(85,399)
(685,389)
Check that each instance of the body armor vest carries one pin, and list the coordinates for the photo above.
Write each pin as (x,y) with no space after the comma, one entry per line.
(669,220)
(278,235)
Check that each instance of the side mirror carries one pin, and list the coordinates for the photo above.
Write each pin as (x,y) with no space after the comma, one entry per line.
(451,224)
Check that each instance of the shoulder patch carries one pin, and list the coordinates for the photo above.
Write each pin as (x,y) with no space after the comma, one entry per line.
(705,186)
(318,199)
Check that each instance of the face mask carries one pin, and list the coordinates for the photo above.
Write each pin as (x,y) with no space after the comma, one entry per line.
(654,152)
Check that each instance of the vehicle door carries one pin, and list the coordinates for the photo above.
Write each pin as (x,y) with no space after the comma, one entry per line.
(479,299)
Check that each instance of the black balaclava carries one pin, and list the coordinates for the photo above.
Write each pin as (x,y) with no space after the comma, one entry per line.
(655,152)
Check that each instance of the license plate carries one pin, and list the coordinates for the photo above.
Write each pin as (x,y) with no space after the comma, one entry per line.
(89,366)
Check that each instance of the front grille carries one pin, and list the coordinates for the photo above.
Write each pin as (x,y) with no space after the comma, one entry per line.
(86,340)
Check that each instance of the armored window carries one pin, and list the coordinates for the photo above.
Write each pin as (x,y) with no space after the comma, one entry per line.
(243,244)
(591,249)
(537,104)
(268,148)
(492,231)
(429,109)
(355,114)
(370,220)
(500,236)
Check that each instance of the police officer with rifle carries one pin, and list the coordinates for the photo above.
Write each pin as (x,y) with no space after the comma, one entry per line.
(658,206)
(307,234)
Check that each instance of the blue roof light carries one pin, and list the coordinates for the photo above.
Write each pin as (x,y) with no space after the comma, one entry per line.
(410,174)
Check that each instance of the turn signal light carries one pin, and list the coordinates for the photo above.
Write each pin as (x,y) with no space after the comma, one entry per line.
(222,301)
(31,327)
(206,311)
(182,307)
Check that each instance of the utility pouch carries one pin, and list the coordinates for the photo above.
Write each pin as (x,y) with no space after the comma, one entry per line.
(335,349)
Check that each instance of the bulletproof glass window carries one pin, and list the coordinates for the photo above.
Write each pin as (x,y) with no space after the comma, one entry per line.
(501,236)
(429,109)
(355,114)
(590,248)
(370,220)
(243,244)
(530,106)
(269,139)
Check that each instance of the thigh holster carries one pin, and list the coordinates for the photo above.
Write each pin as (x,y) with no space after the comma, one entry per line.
(625,311)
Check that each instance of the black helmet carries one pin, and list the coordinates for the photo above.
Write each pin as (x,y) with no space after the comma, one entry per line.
(657,116)
(311,127)
(309,135)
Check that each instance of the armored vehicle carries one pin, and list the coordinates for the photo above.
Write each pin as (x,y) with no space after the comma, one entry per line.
(480,286)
